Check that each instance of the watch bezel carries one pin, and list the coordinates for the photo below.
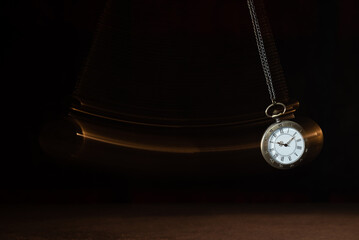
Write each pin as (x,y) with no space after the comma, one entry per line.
(265,140)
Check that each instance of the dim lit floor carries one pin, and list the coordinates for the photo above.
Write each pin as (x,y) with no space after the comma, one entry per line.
(199,221)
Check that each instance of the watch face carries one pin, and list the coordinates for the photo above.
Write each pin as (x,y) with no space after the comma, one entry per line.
(283,144)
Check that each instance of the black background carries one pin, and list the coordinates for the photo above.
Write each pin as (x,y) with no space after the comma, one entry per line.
(45,44)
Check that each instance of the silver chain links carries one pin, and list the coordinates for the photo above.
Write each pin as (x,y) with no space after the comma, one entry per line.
(261,50)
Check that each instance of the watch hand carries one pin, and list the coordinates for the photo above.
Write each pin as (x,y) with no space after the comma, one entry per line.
(289,141)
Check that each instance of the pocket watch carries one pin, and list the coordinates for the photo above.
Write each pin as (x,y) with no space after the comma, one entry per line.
(286,143)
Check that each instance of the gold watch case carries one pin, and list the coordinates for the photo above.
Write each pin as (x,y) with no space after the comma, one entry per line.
(312,135)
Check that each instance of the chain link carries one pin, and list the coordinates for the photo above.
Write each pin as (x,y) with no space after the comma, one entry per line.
(261,50)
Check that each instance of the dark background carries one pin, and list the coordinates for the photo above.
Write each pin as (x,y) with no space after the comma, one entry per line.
(45,44)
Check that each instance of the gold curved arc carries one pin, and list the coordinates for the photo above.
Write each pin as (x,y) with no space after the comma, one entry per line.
(167,148)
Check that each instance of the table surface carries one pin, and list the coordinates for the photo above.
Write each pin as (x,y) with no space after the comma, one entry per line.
(191,221)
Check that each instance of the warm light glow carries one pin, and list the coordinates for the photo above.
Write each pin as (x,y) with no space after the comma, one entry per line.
(163,148)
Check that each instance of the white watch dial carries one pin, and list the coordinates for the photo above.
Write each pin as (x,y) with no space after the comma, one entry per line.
(286,145)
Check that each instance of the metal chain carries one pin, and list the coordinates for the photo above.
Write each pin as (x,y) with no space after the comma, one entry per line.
(261,50)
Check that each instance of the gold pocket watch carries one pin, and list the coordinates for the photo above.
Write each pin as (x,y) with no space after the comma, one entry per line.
(286,143)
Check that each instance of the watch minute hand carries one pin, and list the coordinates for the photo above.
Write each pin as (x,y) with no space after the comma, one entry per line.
(289,141)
